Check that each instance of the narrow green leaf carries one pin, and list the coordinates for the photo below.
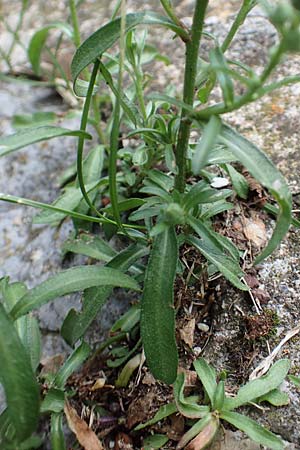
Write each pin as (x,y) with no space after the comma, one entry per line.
(127,371)
(126,205)
(195,430)
(38,41)
(295,380)
(239,182)
(74,361)
(255,431)
(56,434)
(207,376)
(219,396)
(260,386)
(18,380)
(76,324)
(202,193)
(68,200)
(128,320)
(29,136)
(128,107)
(157,307)
(71,280)
(156,96)
(39,118)
(212,209)
(215,251)
(275,398)
(261,168)
(185,406)
(107,36)
(90,245)
(54,401)
(206,144)
(220,66)
(163,180)
(154,441)
(271,209)
(163,412)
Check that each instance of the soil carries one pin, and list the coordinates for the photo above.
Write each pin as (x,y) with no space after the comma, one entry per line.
(222,324)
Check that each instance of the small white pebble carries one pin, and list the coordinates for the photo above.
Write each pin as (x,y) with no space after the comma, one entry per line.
(203,327)
(197,350)
(219,182)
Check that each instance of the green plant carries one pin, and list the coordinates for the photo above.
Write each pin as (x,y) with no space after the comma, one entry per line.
(162,192)
(207,418)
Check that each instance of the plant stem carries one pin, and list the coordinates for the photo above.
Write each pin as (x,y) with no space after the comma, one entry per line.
(254,92)
(75,23)
(168,7)
(114,137)
(238,21)
(192,49)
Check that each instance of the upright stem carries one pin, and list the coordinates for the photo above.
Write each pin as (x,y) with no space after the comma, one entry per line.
(75,23)
(239,20)
(191,59)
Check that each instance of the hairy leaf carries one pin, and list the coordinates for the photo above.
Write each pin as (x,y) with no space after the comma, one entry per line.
(261,168)
(38,41)
(18,380)
(71,280)
(206,144)
(89,245)
(260,386)
(74,361)
(107,36)
(186,407)
(255,431)
(76,324)
(157,307)
(29,136)
(207,376)
(57,434)
(163,412)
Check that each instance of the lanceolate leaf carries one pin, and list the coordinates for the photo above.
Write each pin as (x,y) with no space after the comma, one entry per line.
(90,245)
(261,168)
(207,376)
(72,364)
(187,408)
(163,412)
(206,144)
(27,327)
(215,251)
(157,313)
(275,398)
(76,324)
(18,380)
(260,386)
(107,36)
(57,435)
(71,280)
(255,431)
(219,65)
(29,136)
(128,107)
(38,40)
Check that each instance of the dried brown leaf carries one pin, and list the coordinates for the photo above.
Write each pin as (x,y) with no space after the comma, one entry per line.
(205,437)
(52,363)
(187,332)
(255,230)
(85,436)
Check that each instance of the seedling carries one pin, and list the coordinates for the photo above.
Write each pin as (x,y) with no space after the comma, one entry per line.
(219,407)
